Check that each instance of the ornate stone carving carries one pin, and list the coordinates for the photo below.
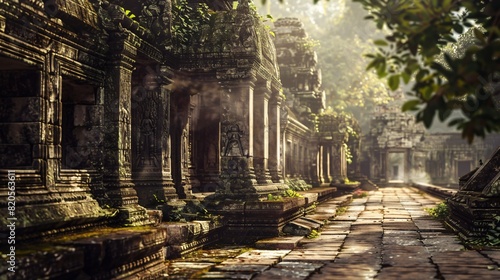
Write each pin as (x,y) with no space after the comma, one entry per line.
(231,141)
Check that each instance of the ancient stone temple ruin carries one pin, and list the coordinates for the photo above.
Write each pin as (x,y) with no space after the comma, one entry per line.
(110,111)
(396,149)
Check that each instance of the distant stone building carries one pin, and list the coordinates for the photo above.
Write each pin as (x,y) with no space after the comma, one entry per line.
(398,149)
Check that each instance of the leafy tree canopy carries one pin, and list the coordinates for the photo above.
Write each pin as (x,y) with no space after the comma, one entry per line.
(446,75)
(447,52)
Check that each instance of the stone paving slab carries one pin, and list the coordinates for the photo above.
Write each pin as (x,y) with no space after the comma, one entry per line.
(310,256)
(411,273)
(369,260)
(463,257)
(492,254)
(283,273)
(258,268)
(249,261)
(466,269)
(276,243)
(226,275)
(264,254)
(306,266)
(335,232)
(345,271)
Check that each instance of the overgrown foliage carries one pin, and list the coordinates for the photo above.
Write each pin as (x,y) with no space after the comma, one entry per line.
(187,22)
(314,234)
(340,210)
(291,193)
(492,237)
(296,184)
(286,194)
(440,211)
(469,83)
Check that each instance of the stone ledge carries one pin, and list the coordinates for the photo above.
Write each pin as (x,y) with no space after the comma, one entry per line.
(438,191)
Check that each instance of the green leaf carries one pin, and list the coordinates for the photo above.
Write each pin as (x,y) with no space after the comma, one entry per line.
(380,42)
(410,105)
(393,82)
(406,77)
(428,116)
(444,113)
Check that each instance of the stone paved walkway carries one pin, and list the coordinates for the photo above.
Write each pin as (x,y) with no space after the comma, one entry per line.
(386,235)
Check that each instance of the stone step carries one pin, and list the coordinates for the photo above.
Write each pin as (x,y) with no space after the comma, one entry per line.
(278,243)
(309,218)
(306,222)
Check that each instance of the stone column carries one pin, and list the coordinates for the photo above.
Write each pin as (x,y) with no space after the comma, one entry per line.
(312,169)
(283,119)
(326,163)
(237,147)
(166,144)
(117,134)
(191,169)
(151,137)
(261,133)
(338,166)
(275,138)
(320,164)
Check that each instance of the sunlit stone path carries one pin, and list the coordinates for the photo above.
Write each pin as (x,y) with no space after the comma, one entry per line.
(387,235)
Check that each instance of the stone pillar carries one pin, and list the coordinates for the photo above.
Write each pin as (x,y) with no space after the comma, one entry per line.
(326,163)
(275,139)
(338,164)
(319,163)
(117,132)
(313,168)
(237,147)
(151,137)
(261,133)
(190,167)
(284,151)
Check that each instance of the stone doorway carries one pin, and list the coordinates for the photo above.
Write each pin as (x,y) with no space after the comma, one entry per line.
(396,167)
